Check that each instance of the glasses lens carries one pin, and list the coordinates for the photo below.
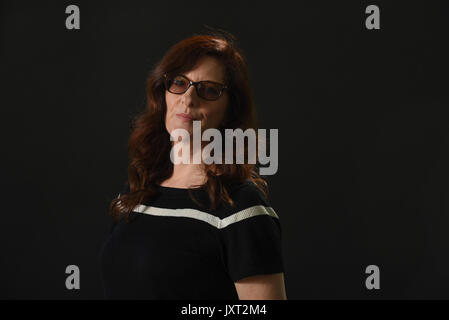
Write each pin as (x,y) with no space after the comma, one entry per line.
(178,84)
(209,90)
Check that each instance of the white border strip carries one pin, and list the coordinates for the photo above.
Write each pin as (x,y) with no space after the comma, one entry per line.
(207,217)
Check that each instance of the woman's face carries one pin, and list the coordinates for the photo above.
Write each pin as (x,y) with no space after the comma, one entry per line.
(211,113)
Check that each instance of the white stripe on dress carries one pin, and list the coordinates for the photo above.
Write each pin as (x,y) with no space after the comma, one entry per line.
(207,217)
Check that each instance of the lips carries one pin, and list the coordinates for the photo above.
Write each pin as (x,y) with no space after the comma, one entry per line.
(186,116)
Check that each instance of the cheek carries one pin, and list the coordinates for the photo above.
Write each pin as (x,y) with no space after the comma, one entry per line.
(169,102)
(169,111)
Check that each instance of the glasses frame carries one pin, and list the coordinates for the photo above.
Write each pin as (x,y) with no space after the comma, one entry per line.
(195,84)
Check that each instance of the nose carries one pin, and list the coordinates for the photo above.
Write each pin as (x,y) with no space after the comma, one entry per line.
(190,98)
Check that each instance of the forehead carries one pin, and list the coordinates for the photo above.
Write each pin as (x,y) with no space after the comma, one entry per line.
(207,68)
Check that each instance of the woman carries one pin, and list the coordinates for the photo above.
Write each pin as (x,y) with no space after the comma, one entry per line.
(193,231)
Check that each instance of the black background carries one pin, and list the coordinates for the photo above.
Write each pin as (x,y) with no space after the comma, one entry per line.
(363,135)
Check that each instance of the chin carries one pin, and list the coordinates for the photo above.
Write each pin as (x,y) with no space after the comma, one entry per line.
(185,126)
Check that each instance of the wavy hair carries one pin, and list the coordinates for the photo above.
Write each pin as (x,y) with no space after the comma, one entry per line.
(149,142)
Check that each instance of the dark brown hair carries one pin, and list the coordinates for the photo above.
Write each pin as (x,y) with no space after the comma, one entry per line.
(149,143)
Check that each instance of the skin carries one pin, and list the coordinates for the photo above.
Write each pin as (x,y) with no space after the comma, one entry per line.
(262,287)
(212,115)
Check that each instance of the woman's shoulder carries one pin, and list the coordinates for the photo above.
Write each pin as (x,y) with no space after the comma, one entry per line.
(248,194)
(249,201)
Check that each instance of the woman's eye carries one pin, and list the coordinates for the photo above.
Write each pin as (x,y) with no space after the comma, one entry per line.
(212,90)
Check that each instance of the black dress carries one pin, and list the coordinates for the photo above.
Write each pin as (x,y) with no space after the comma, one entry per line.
(174,249)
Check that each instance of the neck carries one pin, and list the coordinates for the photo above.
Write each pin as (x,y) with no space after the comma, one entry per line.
(186,175)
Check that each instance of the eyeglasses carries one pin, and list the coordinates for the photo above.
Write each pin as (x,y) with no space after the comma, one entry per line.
(208,90)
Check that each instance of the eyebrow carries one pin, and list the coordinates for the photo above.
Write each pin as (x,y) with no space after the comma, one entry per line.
(219,82)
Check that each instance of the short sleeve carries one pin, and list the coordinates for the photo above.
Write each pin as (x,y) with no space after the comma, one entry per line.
(252,237)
